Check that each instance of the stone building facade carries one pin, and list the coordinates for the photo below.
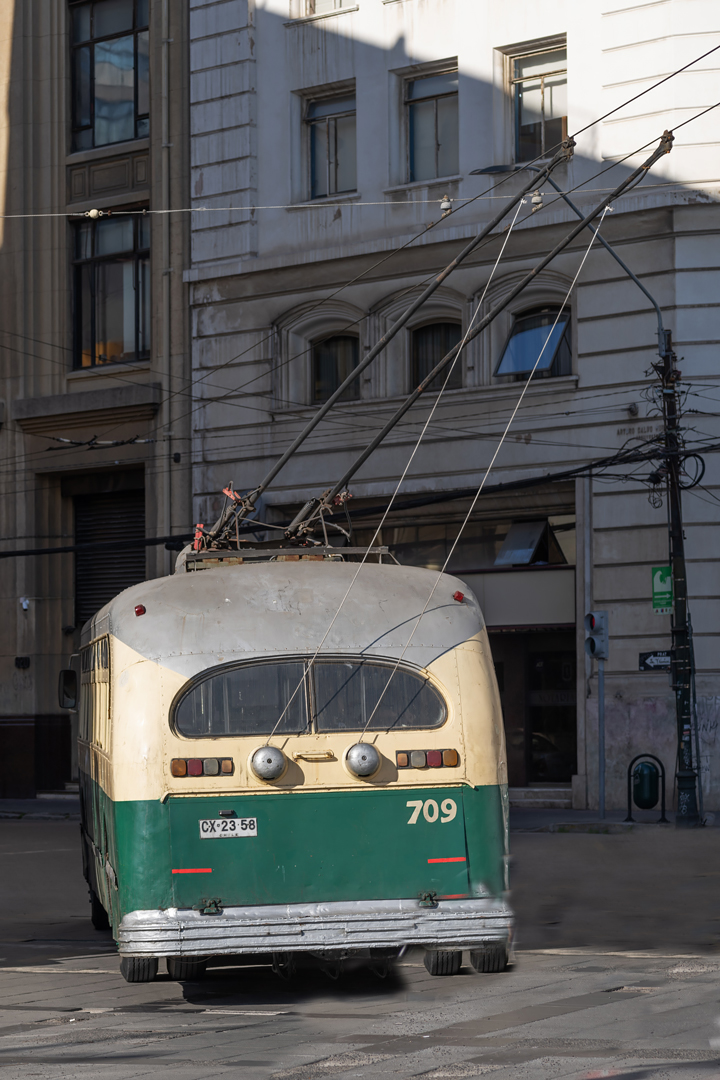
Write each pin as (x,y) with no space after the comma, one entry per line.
(324,135)
(94,337)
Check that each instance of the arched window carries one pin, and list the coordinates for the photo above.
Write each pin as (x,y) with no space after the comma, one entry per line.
(536,333)
(429,345)
(333,359)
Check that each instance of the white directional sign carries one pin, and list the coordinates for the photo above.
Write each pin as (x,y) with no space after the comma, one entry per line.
(654,661)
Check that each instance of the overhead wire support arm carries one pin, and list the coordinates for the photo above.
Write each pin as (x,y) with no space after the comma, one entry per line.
(310,512)
(609,248)
(242,511)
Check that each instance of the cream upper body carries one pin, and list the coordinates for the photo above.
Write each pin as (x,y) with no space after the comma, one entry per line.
(204,619)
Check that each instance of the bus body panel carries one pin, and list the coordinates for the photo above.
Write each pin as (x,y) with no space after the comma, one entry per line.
(324,837)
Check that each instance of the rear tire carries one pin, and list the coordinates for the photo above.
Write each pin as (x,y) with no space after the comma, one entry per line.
(491,959)
(443,961)
(98,914)
(138,969)
(185,969)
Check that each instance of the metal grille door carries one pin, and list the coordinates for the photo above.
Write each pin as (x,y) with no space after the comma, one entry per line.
(101,575)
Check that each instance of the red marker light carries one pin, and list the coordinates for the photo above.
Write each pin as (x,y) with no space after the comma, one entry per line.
(459,596)
(195,766)
(139,609)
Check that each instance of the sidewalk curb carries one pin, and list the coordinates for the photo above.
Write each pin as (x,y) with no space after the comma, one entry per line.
(19,815)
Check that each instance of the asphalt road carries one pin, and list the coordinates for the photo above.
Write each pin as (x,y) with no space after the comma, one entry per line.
(616,975)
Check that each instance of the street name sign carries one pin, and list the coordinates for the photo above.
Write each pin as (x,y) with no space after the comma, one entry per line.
(654,661)
(662,590)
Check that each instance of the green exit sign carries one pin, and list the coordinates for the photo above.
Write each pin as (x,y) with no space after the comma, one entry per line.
(662,590)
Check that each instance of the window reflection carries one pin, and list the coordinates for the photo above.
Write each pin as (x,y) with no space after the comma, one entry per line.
(540,82)
(110,72)
(112,291)
(114,91)
(539,341)
(333,156)
(432,105)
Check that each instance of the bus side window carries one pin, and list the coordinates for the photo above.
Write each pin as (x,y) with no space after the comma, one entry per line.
(95,693)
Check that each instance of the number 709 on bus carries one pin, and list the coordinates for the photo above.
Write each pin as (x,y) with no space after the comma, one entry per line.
(430,810)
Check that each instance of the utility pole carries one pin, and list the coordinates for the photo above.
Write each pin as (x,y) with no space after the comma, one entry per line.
(681,655)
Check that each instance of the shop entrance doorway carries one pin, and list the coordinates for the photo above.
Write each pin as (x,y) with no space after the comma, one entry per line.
(536,674)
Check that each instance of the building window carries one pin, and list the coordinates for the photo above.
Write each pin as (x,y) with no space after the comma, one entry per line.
(324,7)
(110,72)
(535,332)
(429,345)
(432,111)
(331,130)
(540,88)
(112,290)
(332,361)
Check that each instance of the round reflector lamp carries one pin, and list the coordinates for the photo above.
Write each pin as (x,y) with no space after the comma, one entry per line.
(362,759)
(268,763)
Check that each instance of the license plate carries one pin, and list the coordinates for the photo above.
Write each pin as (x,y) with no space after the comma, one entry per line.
(227,828)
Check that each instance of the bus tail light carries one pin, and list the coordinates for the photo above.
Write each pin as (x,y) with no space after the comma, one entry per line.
(202,767)
(427,759)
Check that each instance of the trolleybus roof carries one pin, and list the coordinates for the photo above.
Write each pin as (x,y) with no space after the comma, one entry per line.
(197,620)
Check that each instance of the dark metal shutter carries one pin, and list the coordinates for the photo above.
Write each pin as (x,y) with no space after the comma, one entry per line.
(101,575)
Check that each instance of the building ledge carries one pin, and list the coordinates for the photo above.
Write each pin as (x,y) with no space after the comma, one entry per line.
(100,153)
(323,15)
(86,408)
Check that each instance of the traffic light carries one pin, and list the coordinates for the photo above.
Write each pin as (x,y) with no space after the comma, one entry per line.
(596,634)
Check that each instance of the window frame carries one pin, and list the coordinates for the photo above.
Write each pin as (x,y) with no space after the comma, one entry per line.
(415,377)
(408,102)
(516,82)
(547,372)
(309,8)
(79,263)
(309,692)
(90,43)
(355,387)
(330,124)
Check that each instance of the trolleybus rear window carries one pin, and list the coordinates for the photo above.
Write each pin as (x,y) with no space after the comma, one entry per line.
(352,694)
(247,700)
(291,697)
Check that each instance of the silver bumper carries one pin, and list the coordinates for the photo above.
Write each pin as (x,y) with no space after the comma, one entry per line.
(348,927)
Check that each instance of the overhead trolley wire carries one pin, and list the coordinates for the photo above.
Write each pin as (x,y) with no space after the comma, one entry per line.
(404,474)
(482,484)
(312,205)
(193,383)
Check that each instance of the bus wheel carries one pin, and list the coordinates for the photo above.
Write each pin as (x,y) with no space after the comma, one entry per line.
(138,968)
(284,965)
(442,961)
(185,969)
(98,914)
(490,959)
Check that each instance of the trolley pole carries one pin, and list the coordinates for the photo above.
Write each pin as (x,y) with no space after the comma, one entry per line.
(682,647)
